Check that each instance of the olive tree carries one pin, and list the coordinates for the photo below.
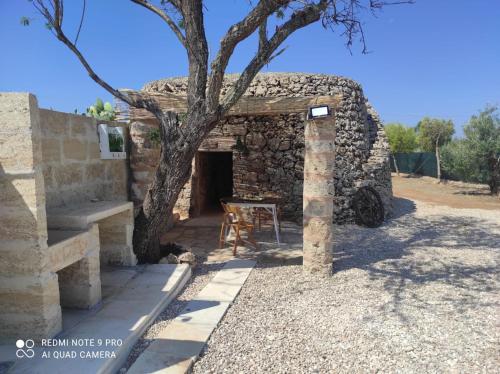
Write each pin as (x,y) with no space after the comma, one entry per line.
(432,134)
(476,157)
(205,106)
(401,139)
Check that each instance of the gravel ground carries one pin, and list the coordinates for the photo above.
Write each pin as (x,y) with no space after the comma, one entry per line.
(201,275)
(419,294)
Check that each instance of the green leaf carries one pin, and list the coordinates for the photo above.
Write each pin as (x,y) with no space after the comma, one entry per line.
(433,130)
(154,137)
(99,105)
(474,158)
(108,107)
(401,139)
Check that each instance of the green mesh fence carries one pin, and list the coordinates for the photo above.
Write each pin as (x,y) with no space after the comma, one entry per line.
(422,163)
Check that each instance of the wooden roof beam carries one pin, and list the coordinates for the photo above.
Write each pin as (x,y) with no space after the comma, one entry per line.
(247,105)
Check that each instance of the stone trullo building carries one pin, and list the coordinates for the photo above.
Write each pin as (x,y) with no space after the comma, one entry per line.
(250,156)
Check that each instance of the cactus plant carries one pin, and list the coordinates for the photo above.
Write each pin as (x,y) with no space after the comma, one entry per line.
(101,110)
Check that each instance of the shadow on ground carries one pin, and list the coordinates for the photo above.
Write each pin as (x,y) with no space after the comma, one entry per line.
(478,192)
(412,251)
(433,246)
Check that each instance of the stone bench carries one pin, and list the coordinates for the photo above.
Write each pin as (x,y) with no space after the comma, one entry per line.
(74,256)
(116,225)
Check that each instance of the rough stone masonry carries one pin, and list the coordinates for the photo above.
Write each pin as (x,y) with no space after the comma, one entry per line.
(274,164)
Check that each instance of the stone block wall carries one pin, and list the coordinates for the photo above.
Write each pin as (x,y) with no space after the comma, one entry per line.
(72,168)
(29,293)
(47,159)
(275,161)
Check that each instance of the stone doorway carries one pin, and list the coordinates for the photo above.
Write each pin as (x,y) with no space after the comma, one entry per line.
(215,171)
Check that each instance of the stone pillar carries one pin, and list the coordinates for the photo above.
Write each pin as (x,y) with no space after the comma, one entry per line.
(29,293)
(319,165)
(80,283)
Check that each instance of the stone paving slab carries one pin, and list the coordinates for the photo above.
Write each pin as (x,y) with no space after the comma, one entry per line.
(225,285)
(176,348)
(124,315)
(201,236)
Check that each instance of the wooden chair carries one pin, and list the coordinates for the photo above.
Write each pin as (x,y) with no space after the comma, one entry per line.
(233,218)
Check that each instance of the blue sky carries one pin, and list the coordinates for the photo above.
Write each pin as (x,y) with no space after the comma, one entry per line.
(437,58)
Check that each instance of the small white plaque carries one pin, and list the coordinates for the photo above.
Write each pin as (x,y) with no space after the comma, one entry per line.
(320,111)
(111,142)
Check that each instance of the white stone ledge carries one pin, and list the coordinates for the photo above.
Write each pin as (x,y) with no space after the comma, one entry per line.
(81,215)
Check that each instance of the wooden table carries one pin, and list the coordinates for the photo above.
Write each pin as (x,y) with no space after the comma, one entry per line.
(268,204)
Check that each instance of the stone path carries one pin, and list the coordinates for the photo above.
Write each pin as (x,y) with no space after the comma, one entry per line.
(177,347)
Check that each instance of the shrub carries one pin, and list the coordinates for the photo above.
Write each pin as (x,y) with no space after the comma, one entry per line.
(476,158)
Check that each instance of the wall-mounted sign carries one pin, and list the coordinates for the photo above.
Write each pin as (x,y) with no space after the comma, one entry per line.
(318,111)
(111,142)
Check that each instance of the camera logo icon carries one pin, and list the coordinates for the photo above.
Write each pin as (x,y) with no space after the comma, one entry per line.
(25,348)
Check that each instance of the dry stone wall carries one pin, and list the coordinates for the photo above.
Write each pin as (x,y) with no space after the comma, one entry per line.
(274,165)
(275,161)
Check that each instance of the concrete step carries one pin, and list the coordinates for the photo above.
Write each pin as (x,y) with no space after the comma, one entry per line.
(179,345)
(101,342)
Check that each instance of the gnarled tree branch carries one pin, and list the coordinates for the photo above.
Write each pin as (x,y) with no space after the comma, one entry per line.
(236,33)
(81,22)
(164,16)
(197,49)
(55,20)
(309,14)
(263,35)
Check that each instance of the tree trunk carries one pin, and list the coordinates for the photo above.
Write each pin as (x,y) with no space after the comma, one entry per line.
(438,161)
(494,166)
(172,173)
(395,164)
(494,186)
(157,208)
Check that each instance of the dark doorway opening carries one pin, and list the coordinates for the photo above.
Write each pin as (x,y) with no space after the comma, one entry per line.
(215,179)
